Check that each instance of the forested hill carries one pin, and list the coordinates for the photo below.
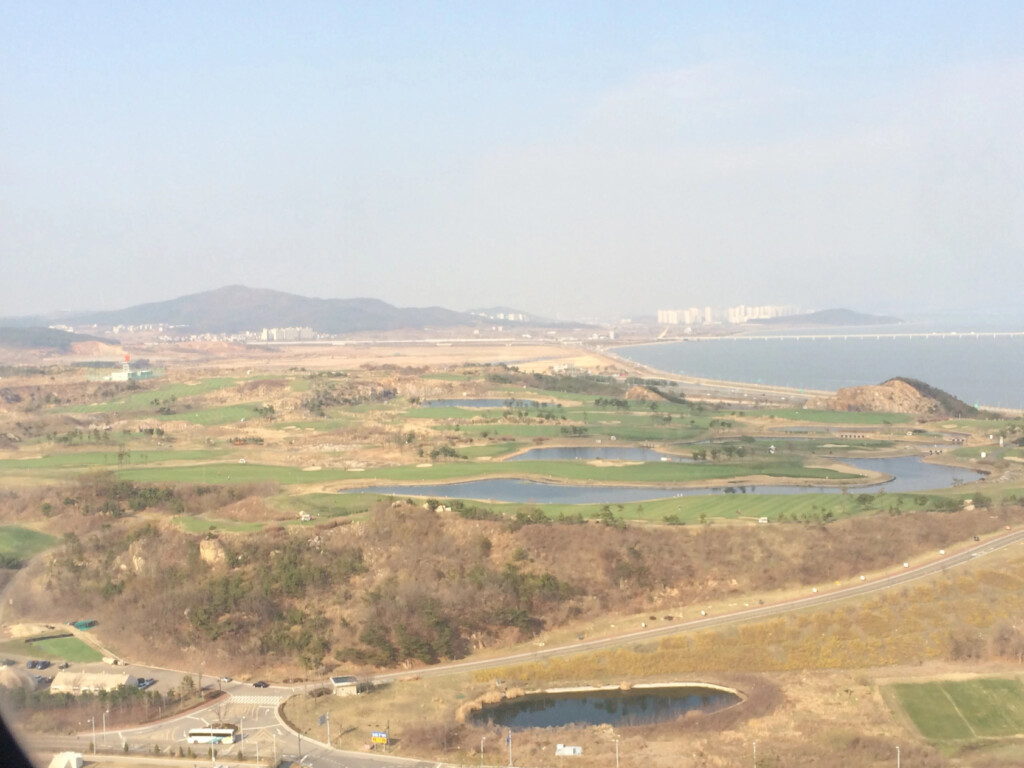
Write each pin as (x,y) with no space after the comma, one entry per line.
(236,308)
(43,338)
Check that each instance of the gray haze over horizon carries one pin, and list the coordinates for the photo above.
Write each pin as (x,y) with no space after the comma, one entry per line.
(568,159)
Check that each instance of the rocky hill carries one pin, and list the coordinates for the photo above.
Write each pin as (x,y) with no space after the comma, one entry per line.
(898,395)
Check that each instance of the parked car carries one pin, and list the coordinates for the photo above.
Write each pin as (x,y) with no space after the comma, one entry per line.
(261,684)
(42,664)
(65,665)
(31,663)
(225,679)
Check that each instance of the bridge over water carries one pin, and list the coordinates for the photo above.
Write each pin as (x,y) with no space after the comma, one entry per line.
(876,335)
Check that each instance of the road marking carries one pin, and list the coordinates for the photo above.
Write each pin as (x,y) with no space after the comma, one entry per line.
(262,701)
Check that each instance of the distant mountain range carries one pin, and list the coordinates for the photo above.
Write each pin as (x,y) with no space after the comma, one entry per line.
(235,309)
(831,317)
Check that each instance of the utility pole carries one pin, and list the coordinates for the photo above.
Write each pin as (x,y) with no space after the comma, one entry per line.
(482,751)
(509,739)
(328,729)
(94,737)
(897,757)
(616,753)
(755,754)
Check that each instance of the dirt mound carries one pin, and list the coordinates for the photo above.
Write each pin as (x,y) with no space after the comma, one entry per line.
(894,396)
(248,510)
(642,393)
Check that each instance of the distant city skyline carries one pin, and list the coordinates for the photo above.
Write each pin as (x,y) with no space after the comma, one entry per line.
(565,159)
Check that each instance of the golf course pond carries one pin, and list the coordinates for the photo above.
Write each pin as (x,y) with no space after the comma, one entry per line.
(596,453)
(641,705)
(909,475)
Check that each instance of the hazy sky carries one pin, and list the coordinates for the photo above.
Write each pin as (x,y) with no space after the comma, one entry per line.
(572,159)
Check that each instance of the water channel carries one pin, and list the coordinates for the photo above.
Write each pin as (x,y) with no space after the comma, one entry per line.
(910,475)
(592,453)
(639,706)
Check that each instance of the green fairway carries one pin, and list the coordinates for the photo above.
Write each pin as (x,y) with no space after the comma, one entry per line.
(964,709)
(105,459)
(55,649)
(216,416)
(835,417)
(232,473)
(202,525)
(321,505)
(492,449)
(143,400)
(23,543)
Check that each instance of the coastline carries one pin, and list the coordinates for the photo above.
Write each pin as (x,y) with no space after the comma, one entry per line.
(716,389)
(747,388)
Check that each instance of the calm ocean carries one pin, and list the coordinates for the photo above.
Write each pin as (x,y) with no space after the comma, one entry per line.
(981,370)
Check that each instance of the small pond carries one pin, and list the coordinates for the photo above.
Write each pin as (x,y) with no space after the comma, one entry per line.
(910,475)
(604,707)
(591,453)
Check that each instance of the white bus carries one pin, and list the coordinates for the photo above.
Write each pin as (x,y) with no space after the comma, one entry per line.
(216,734)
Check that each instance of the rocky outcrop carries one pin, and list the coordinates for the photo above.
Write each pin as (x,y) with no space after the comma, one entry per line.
(893,396)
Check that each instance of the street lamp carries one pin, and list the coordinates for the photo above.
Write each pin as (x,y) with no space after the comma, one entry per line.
(616,753)
(93,720)
(897,757)
(107,712)
(482,750)
(241,736)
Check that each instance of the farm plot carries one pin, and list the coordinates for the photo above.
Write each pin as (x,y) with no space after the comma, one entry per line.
(954,710)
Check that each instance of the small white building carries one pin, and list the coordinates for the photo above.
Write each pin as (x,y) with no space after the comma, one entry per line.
(66,760)
(345,685)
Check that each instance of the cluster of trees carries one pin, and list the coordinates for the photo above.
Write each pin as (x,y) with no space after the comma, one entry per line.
(612,402)
(728,450)
(331,393)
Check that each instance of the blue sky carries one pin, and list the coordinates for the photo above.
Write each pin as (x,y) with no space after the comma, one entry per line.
(573,159)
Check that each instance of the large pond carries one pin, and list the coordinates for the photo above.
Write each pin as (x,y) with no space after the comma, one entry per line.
(604,707)
(910,474)
(591,453)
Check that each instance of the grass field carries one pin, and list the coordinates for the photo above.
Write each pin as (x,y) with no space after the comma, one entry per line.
(835,417)
(322,505)
(215,416)
(955,710)
(105,459)
(66,648)
(23,543)
(202,525)
(142,400)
